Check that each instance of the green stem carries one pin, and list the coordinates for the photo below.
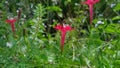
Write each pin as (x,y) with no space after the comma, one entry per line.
(73,57)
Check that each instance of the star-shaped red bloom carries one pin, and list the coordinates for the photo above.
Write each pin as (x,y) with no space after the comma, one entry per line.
(11,21)
(63,29)
(90,3)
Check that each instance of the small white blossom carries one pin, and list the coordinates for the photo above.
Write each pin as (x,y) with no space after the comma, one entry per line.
(17,11)
(9,44)
(100,15)
(112,5)
(98,23)
(118,21)
(24,16)
(51,58)
(6,2)
(77,4)
(23,49)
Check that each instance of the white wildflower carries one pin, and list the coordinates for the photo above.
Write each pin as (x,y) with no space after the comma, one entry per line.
(98,23)
(6,2)
(77,4)
(112,5)
(9,44)
(50,57)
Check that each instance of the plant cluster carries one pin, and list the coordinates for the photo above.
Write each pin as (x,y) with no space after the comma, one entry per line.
(59,34)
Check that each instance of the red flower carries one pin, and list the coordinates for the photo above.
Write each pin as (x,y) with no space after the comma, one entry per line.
(63,29)
(90,3)
(11,21)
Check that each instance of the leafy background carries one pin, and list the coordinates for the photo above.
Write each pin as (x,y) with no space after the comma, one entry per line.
(36,44)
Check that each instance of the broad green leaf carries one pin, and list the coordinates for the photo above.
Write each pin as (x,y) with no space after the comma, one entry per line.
(54,8)
(117,8)
(116,18)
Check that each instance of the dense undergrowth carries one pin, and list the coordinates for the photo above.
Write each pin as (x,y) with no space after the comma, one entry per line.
(35,43)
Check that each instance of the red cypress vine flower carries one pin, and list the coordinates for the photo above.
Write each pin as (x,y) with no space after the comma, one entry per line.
(11,21)
(90,3)
(63,29)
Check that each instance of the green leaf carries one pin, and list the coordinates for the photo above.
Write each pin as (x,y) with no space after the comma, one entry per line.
(117,8)
(111,28)
(117,62)
(116,18)
(1,5)
(54,8)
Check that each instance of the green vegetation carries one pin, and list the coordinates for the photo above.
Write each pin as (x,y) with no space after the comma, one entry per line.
(35,43)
